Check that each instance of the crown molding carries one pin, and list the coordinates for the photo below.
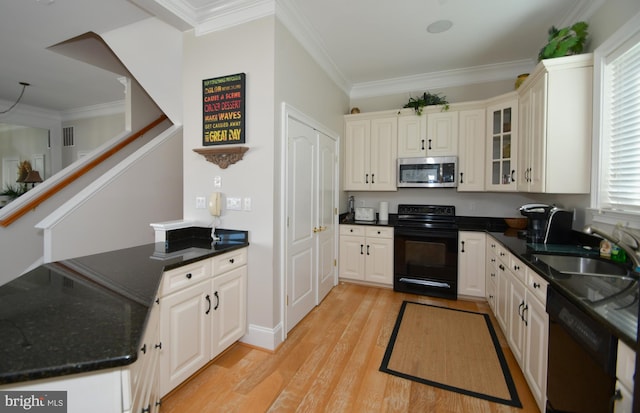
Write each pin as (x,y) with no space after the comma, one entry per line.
(211,16)
(443,79)
(102,109)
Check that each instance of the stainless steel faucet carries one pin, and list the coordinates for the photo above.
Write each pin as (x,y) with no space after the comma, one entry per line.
(632,252)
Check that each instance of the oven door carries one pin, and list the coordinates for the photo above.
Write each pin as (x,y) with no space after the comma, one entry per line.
(426,261)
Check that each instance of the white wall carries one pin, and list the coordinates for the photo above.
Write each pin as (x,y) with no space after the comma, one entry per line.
(115,210)
(89,133)
(277,69)
(249,49)
(152,52)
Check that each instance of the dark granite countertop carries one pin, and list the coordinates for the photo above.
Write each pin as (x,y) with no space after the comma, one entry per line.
(89,313)
(619,313)
(612,301)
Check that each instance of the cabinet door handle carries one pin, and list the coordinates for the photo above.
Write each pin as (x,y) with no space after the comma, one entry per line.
(189,276)
(373,181)
(501,267)
(217,300)
(429,144)
(516,268)
(146,409)
(461,177)
(367,249)
(525,308)
(513,178)
(144,349)
(520,311)
(366,178)
(462,246)
(422,141)
(536,285)
(208,298)
(159,345)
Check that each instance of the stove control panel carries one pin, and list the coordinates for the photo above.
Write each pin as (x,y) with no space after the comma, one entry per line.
(440,210)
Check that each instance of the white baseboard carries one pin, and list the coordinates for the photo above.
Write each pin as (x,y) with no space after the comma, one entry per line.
(263,337)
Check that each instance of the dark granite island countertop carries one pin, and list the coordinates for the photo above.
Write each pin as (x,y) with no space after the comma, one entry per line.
(89,313)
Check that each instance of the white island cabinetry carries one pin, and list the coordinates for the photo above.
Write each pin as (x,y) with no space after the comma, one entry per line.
(203,311)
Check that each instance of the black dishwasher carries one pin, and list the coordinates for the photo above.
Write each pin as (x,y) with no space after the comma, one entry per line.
(581,373)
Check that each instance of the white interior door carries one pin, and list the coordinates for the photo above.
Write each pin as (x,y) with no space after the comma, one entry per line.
(326,237)
(9,171)
(301,266)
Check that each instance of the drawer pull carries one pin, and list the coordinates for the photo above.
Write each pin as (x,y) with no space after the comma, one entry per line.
(516,267)
(144,349)
(232,260)
(501,267)
(159,345)
(189,275)
(536,285)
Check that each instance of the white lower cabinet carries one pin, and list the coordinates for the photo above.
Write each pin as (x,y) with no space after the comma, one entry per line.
(471,263)
(520,298)
(141,379)
(199,320)
(366,253)
(186,332)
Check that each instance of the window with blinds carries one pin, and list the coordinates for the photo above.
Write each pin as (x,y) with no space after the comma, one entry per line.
(620,179)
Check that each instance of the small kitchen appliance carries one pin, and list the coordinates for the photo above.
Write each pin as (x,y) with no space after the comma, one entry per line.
(547,224)
(365,214)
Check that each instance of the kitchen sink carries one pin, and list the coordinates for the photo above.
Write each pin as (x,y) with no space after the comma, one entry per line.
(581,265)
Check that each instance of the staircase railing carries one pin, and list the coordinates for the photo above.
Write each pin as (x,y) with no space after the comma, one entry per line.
(67,180)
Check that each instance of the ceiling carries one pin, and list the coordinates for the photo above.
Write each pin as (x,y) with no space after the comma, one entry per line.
(365,46)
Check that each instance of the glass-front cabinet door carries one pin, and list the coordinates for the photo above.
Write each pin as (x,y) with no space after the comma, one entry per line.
(502,151)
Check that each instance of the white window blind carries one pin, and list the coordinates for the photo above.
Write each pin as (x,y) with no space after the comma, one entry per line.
(621,173)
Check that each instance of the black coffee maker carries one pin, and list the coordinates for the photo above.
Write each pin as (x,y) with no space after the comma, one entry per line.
(547,224)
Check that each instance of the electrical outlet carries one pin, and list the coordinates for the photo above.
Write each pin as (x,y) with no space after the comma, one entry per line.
(201,202)
(246,204)
(234,204)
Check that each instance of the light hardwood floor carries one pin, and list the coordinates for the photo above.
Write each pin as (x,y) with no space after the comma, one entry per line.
(329,363)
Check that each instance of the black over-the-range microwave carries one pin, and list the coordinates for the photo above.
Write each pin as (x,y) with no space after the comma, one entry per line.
(429,172)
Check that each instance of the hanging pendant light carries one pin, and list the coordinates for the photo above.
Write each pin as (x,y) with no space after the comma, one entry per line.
(24,86)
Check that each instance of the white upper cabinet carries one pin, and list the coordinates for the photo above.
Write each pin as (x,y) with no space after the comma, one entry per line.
(434,133)
(502,144)
(471,143)
(555,126)
(371,144)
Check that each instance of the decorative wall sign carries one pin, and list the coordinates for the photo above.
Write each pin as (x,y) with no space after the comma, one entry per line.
(223,117)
